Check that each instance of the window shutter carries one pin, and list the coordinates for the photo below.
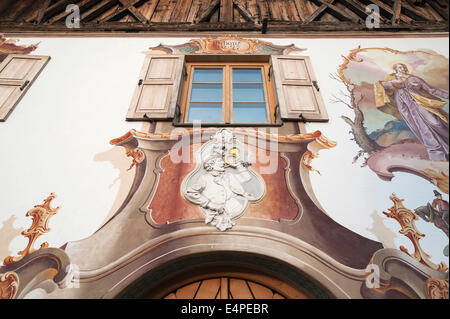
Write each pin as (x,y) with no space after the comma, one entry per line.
(157,91)
(17,73)
(297,89)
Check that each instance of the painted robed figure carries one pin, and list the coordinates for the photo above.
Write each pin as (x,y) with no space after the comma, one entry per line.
(410,98)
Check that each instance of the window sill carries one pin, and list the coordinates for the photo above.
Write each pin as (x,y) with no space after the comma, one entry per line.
(230,124)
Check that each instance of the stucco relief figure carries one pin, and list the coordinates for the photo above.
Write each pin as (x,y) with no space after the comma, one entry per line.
(216,192)
(419,106)
(221,185)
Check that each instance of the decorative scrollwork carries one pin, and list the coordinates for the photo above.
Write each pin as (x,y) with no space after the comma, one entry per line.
(137,155)
(437,288)
(438,178)
(9,284)
(406,218)
(41,215)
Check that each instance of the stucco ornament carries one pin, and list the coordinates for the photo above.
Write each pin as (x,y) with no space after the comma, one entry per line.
(223,184)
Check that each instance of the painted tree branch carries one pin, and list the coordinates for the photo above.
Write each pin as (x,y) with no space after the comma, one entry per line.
(358,131)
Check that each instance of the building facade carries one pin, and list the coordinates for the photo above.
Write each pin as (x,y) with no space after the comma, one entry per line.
(224,149)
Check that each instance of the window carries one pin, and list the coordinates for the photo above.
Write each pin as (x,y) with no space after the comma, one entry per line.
(17,73)
(228,93)
(256,90)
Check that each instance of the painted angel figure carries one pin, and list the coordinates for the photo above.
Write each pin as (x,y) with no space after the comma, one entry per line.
(410,98)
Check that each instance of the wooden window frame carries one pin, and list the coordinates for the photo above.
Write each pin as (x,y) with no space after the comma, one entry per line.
(227,99)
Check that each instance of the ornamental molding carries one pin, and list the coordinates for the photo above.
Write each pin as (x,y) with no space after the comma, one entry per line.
(228,44)
(10,46)
(41,215)
(317,141)
(208,132)
(9,284)
(411,274)
(437,288)
(396,271)
(406,218)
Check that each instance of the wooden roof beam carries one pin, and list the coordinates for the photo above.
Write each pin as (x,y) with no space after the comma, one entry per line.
(397,9)
(390,10)
(94,9)
(359,9)
(181,11)
(49,10)
(303,10)
(14,10)
(245,13)
(316,13)
(5,5)
(42,10)
(213,6)
(328,5)
(338,11)
(132,9)
(274,27)
(414,13)
(118,11)
(442,11)
(66,13)
(226,11)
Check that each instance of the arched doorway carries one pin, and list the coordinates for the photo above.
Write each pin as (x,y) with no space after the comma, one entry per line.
(226,275)
(237,285)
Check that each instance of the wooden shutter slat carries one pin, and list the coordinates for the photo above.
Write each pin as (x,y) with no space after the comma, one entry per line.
(17,74)
(157,91)
(298,96)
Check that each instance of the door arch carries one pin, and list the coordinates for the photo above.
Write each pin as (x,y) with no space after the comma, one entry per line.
(236,285)
(225,275)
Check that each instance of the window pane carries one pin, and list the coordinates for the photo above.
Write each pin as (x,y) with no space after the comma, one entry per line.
(247,76)
(248,93)
(205,112)
(206,93)
(249,112)
(208,75)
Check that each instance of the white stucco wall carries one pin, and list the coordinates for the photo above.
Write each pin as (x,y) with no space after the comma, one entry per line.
(57,140)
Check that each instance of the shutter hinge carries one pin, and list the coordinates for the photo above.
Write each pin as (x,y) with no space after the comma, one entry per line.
(302,118)
(185,74)
(24,85)
(148,118)
(177,114)
(316,85)
(277,111)
(270,71)
(140,82)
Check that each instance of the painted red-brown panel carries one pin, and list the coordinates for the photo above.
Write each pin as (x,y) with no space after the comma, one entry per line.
(168,204)
(278,202)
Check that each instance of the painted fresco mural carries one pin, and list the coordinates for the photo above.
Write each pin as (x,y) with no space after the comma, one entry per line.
(227,44)
(8,46)
(401,122)
(400,100)
(400,103)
